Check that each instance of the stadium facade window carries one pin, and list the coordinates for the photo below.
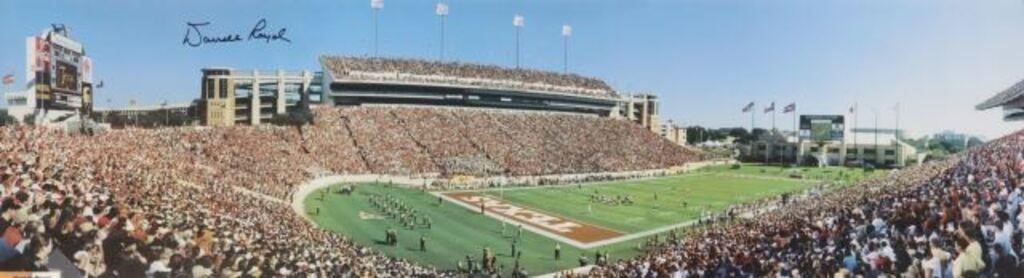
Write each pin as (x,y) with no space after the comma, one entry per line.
(268,89)
(17,101)
(851,151)
(833,150)
(870,151)
(890,152)
(243,89)
(292,93)
(208,93)
(223,88)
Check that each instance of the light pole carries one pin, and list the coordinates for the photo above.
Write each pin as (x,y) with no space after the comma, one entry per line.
(376,5)
(518,21)
(875,111)
(442,12)
(566,33)
(896,133)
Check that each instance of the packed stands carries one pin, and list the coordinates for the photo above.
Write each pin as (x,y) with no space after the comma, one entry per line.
(959,218)
(455,73)
(170,203)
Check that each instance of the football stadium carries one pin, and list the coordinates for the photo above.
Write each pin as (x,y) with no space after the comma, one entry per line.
(409,167)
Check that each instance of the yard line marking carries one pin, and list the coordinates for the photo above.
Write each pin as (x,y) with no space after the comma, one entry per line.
(574,232)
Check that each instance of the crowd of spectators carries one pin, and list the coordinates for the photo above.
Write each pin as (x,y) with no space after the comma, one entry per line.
(131,203)
(957,218)
(465,141)
(417,70)
(167,203)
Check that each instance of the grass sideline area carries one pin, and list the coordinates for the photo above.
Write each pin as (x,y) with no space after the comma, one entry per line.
(457,232)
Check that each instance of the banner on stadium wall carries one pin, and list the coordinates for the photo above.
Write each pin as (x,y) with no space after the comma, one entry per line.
(31,274)
(86,69)
(41,62)
(87,98)
(461,179)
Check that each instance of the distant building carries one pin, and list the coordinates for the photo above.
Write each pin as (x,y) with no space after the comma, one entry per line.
(231,97)
(859,146)
(20,103)
(673,133)
(1011,100)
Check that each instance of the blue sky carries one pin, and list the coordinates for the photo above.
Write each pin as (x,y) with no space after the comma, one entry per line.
(706,59)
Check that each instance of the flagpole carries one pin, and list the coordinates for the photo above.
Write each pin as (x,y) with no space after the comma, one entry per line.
(752,112)
(875,110)
(796,134)
(856,112)
(899,155)
(795,131)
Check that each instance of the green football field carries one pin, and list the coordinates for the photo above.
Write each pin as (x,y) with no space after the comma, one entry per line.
(838,175)
(457,232)
(656,202)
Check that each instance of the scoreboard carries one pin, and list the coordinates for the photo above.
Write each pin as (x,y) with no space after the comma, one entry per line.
(822,128)
(59,70)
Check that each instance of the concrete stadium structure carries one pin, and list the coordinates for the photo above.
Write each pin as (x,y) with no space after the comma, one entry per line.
(227,95)
(1011,100)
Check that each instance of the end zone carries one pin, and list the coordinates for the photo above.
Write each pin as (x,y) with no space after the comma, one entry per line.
(579,234)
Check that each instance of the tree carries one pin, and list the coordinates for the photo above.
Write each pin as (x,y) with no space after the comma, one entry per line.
(694,134)
(29,119)
(6,119)
(742,135)
(974,141)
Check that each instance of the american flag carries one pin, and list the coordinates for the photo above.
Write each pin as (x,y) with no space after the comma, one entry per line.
(9,79)
(789,108)
(748,107)
(770,108)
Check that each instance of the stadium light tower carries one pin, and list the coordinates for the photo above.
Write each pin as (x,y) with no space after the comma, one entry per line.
(442,12)
(376,5)
(566,33)
(518,21)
